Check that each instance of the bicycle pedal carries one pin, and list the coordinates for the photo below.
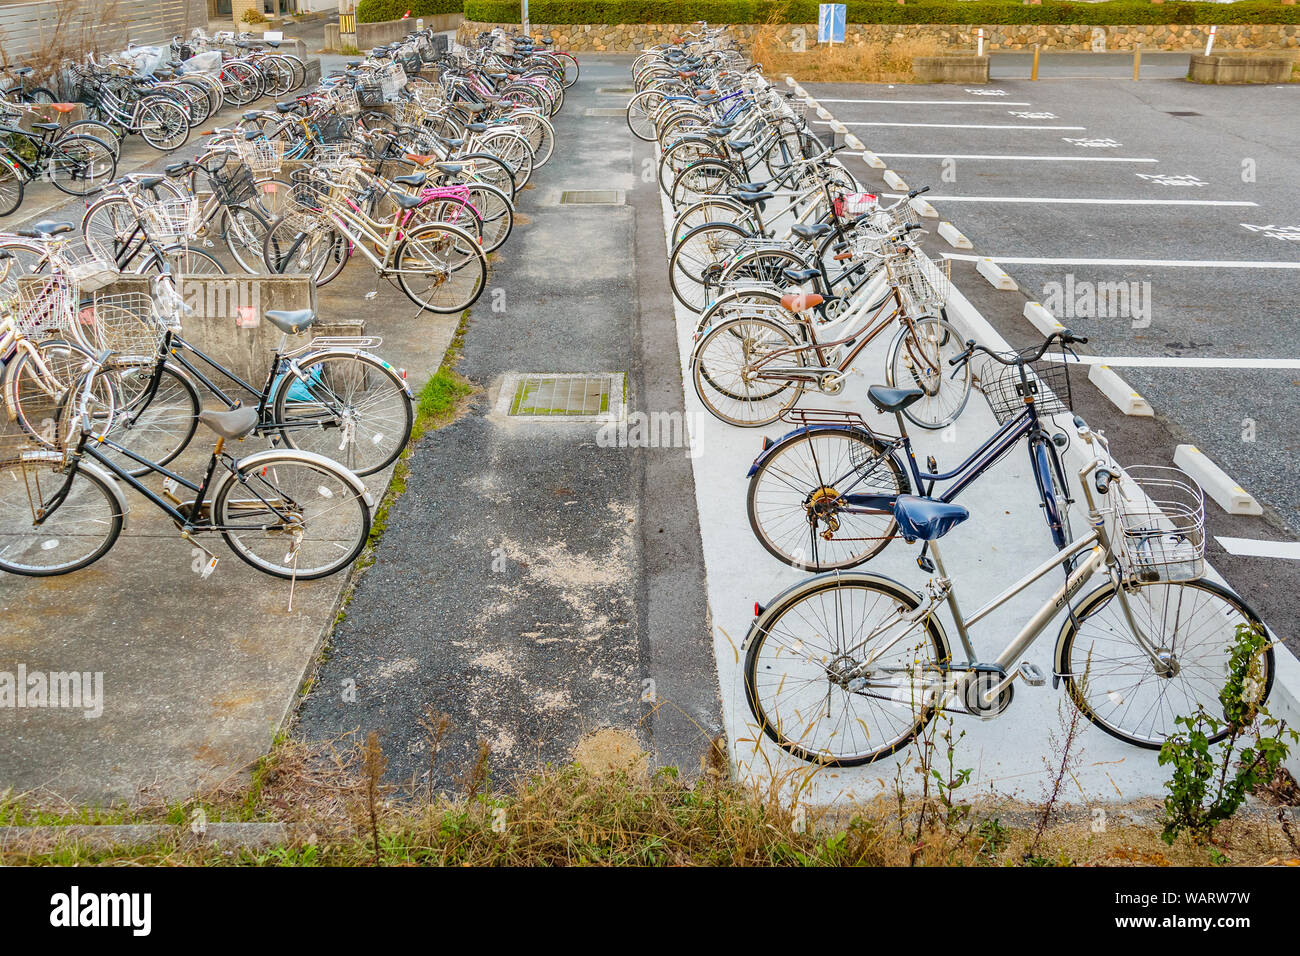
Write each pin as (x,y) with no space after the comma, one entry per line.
(925,564)
(1031,674)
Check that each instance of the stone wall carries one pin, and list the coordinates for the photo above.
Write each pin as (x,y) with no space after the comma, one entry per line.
(631,37)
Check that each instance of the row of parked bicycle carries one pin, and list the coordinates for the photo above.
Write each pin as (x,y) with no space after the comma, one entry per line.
(158,94)
(788,269)
(103,388)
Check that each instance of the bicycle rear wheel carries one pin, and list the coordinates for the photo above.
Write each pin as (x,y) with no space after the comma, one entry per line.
(1192,625)
(807,680)
(352,408)
(11,189)
(81,165)
(291,515)
(796,502)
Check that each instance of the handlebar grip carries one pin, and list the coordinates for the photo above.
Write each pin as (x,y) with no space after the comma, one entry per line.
(1069,338)
(1102,479)
(966,353)
(916,192)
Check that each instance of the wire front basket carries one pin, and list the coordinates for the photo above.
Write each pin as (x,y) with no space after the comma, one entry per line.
(1160,524)
(123,323)
(921,280)
(44,305)
(262,156)
(1047,383)
(171,221)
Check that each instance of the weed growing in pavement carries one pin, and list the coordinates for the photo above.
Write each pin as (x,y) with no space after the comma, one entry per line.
(1208,787)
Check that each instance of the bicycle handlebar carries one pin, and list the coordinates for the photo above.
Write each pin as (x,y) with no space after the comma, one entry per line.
(1065,336)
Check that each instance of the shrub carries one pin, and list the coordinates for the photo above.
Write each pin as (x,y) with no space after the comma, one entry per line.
(1110,12)
(377,11)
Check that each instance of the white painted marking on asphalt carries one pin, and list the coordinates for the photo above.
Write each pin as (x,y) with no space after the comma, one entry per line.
(1016,158)
(1152,263)
(1071,201)
(1177,361)
(1258,548)
(932,102)
(957,125)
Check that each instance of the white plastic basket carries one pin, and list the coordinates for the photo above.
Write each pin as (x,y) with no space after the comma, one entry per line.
(123,323)
(45,305)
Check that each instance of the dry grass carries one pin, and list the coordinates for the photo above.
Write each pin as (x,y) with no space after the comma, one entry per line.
(80,27)
(339,814)
(874,62)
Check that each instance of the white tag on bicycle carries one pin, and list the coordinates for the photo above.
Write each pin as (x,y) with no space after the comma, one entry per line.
(170,485)
(208,569)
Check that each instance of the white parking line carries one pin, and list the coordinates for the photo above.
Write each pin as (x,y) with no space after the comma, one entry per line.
(1177,361)
(1019,158)
(933,102)
(1258,548)
(952,125)
(1151,263)
(1071,201)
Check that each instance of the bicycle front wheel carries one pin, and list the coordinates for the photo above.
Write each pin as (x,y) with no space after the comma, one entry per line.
(441,268)
(724,369)
(1192,625)
(293,515)
(79,530)
(919,359)
(11,188)
(836,675)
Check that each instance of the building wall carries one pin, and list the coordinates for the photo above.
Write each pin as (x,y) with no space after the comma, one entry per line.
(28,27)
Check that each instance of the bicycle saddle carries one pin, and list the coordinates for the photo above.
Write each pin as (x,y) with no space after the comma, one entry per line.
(406,202)
(801,301)
(753,187)
(893,399)
(749,198)
(232,424)
(45,228)
(476,127)
(47,127)
(451,169)
(926,518)
(813,231)
(291,321)
(740,145)
(149,182)
(801,275)
(414,179)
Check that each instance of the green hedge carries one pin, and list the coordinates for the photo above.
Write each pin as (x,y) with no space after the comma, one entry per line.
(1112,12)
(377,11)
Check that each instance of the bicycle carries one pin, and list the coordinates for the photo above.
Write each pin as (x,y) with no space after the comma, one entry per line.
(846,668)
(76,163)
(747,370)
(822,496)
(289,514)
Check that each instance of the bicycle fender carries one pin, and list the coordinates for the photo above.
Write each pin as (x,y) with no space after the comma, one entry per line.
(257,458)
(348,353)
(805,429)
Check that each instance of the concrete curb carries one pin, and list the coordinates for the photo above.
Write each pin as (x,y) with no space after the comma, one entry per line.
(250,836)
(954,236)
(1119,392)
(1042,319)
(996,275)
(1216,482)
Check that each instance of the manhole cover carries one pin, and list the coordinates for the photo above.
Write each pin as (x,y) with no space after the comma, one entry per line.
(591,197)
(568,396)
(606,111)
(1184,113)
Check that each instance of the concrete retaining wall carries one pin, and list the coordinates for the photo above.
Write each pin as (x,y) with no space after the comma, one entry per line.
(631,37)
(371,35)
(1240,69)
(951,69)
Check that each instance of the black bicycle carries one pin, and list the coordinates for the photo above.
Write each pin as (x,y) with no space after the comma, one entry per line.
(76,163)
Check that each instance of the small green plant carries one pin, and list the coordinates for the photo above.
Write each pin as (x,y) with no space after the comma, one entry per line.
(1207,787)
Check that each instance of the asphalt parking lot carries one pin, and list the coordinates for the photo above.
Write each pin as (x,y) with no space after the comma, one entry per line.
(1160,218)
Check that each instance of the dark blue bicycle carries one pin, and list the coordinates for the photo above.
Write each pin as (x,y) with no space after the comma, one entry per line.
(822,497)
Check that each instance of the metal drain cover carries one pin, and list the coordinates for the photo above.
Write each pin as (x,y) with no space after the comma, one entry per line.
(606,111)
(563,396)
(591,197)
(1183,113)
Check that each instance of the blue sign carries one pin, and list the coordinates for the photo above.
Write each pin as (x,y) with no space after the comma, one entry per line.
(830,23)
